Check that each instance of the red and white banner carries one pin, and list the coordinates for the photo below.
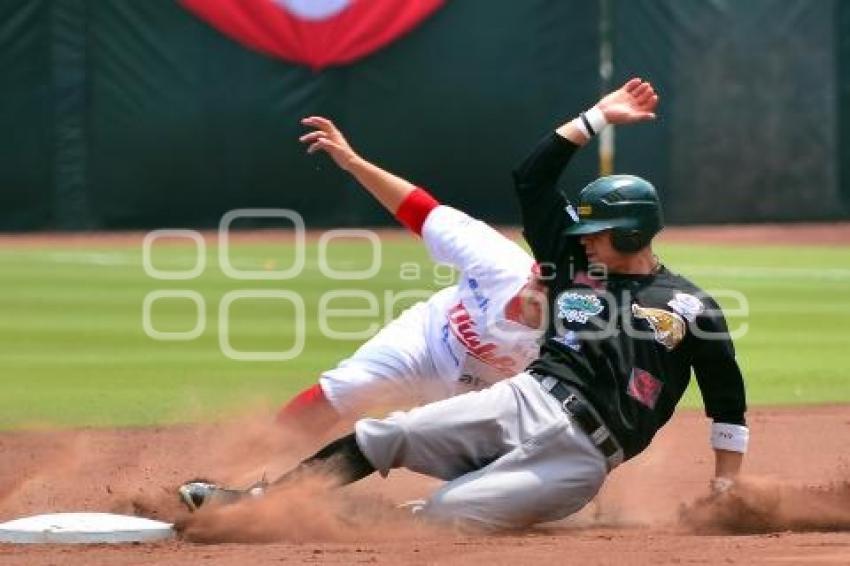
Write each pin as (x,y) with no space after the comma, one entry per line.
(317,33)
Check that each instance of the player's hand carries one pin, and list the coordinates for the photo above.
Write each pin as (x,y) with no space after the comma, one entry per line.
(634,102)
(327,137)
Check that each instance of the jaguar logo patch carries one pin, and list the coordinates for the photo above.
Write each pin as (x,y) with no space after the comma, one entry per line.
(668,327)
(578,307)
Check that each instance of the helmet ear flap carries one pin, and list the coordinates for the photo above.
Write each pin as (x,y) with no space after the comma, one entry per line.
(628,241)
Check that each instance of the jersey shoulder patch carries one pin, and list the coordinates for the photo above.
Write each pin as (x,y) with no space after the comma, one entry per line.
(687,305)
(578,307)
(668,327)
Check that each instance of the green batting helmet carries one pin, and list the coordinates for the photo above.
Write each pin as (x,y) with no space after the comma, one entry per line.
(626,205)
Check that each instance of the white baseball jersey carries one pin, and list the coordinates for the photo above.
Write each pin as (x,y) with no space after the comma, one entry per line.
(456,341)
(469,334)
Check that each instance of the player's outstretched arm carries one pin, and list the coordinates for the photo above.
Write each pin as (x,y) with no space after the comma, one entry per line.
(541,204)
(387,188)
(633,102)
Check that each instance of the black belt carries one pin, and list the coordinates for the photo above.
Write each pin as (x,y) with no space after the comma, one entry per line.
(583,414)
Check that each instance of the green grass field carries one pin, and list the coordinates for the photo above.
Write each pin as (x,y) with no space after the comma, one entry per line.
(74,351)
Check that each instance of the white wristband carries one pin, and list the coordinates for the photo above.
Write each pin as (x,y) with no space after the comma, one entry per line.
(597,119)
(731,437)
(590,123)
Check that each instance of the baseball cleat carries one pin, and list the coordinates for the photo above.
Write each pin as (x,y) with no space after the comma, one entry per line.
(197,494)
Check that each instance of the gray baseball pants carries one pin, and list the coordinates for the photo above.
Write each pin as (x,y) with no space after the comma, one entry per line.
(510,454)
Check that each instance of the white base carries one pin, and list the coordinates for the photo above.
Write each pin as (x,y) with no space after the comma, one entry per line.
(76,528)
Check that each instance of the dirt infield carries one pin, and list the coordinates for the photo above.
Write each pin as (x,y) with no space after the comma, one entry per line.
(793,509)
(827,234)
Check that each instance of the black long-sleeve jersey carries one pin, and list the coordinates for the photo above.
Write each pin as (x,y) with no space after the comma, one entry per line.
(627,342)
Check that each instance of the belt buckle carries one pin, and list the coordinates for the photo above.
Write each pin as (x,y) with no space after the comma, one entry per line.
(570,398)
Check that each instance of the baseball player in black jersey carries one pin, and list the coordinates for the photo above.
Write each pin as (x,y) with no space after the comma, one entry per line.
(631,357)
(623,334)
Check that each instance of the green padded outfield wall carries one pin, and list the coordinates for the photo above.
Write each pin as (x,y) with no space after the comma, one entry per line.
(132,114)
(182,124)
(749,126)
(26,115)
(843,65)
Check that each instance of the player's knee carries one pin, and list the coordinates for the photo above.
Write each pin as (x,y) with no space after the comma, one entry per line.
(489,505)
(450,508)
(497,506)
(383,441)
(576,490)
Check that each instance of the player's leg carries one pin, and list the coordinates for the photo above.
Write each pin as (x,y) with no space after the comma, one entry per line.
(341,461)
(518,459)
(389,370)
(512,454)
(309,412)
(547,478)
(447,438)
(392,368)
(444,439)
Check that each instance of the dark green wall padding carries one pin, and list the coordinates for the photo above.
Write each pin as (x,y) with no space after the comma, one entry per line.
(133,114)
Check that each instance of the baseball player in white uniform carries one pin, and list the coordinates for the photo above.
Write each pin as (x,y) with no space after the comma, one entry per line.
(618,356)
(465,337)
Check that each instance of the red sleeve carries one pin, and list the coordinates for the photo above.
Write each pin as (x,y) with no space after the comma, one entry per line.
(414,209)
(310,410)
